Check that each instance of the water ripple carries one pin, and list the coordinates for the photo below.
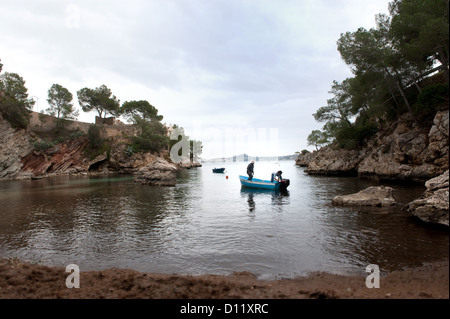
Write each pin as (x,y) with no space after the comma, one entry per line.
(209,224)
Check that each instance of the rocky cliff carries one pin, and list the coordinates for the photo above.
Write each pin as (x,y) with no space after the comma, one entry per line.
(20,159)
(14,145)
(403,151)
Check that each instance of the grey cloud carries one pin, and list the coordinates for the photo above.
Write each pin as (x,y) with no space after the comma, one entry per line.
(246,59)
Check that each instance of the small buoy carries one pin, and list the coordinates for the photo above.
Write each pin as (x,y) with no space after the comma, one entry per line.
(227,176)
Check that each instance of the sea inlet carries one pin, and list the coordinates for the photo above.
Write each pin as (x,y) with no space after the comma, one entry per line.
(209,224)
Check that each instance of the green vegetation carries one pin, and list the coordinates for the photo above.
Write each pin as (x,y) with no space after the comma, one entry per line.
(42,146)
(61,106)
(429,101)
(58,134)
(15,105)
(317,138)
(99,99)
(47,140)
(97,145)
(141,109)
(75,134)
(304,152)
(421,30)
(130,150)
(389,64)
(94,136)
(152,136)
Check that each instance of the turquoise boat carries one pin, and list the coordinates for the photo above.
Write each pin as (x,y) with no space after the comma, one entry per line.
(263,184)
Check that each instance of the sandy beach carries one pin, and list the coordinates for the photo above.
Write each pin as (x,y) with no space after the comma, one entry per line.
(21,280)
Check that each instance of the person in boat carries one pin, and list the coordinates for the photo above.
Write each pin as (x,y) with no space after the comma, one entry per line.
(276,176)
(250,168)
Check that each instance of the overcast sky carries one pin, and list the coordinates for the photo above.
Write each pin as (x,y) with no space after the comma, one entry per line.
(241,76)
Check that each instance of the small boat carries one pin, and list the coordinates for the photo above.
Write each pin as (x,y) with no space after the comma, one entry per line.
(218,170)
(264,184)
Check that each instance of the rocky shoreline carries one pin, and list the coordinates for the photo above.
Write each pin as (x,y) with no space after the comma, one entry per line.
(407,154)
(433,205)
(20,159)
(403,152)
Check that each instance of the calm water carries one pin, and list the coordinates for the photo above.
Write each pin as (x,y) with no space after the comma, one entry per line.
(208,224)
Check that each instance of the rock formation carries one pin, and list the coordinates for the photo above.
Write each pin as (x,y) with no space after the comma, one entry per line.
(14,145)
(20,159)
(409,153)
(433,206)
(404,151)
(333,162)
(64,158)
(379,196)
(304,159)
(158,173)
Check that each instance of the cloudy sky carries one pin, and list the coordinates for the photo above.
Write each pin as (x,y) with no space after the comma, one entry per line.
(241,76)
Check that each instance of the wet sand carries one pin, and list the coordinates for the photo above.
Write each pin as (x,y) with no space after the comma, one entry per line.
(21,280)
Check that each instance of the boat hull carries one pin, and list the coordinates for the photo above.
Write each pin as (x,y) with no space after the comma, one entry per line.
(258,183)
(218,170)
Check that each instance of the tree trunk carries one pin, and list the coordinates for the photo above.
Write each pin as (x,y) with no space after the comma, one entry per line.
(416,84)
(402,92)
(58,120)
(399,88)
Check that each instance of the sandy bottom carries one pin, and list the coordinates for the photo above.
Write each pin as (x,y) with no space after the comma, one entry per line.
(21,280)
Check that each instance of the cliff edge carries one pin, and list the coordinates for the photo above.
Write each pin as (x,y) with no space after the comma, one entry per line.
(27,154)
(404,151)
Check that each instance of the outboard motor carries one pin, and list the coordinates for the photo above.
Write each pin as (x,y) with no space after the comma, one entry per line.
(284,184)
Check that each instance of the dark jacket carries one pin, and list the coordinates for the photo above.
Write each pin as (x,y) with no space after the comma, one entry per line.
(279,175)
(250,168)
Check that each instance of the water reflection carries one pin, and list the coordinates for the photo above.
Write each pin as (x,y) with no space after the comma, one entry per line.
(209,224)
(279,198)
(251,202)
(87,216)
